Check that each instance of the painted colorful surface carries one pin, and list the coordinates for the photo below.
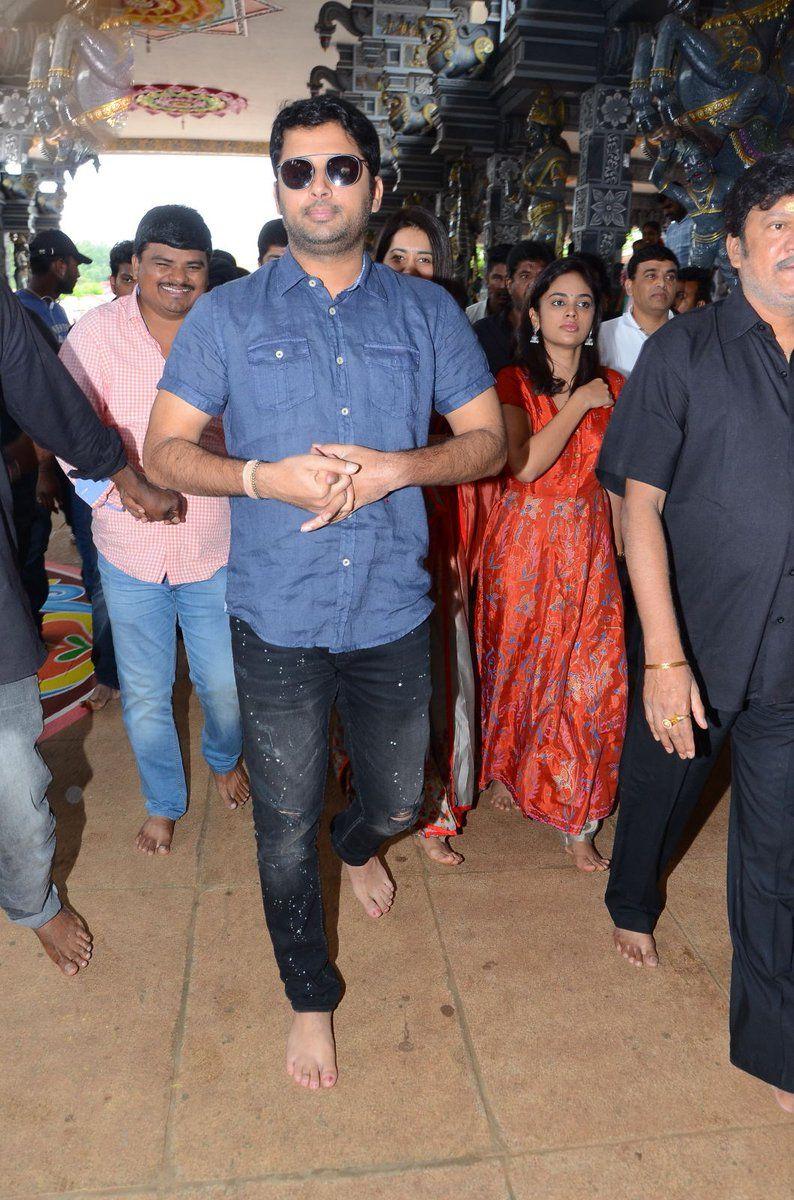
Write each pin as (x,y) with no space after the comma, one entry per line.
(186,100)
(67,676)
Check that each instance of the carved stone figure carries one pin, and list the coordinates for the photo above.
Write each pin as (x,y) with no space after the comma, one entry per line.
(721,81)
(461,208)
(80,82)
(356,20)
(339,80)
(546,171)
(455,47)
(410,113)
(703,197)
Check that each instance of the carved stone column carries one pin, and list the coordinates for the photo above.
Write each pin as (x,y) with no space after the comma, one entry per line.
(504,203)
(602,203)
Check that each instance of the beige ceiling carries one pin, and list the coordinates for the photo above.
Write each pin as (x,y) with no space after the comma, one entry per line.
(269,66)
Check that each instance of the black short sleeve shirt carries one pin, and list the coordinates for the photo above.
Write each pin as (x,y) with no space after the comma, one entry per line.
(707,416)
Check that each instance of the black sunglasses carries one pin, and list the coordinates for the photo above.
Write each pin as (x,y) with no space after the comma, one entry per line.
(341,170)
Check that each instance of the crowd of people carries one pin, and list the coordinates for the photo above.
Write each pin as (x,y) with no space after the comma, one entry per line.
(456,543)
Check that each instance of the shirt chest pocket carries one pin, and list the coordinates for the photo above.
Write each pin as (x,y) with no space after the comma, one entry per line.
(282,372)
(393,378)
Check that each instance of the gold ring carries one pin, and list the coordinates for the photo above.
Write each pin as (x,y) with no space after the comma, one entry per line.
(669,722)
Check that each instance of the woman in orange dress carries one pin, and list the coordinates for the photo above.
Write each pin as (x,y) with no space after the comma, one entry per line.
(549,617)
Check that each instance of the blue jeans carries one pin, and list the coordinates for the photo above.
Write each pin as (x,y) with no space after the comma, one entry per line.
(144,617)
(102,655)
(286,694)
(27,826)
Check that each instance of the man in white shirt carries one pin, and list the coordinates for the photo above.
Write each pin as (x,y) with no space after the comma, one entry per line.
(497,298)
(651,281)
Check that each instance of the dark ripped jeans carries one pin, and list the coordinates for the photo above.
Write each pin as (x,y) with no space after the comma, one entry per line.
(286,696)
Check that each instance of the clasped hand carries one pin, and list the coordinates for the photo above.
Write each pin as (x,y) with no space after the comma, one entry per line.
(351,477)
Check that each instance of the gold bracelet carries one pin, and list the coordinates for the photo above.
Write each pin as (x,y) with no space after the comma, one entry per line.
(667,666)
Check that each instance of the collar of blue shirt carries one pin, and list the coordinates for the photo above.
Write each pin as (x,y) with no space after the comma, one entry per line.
(288,272)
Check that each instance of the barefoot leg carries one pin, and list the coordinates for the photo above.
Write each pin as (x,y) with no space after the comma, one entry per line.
(372,886)
(311,1051)
(439,850)
(583,851)
(638,948)
(100,697)
(233,787)
(155,836)
(67,941)
(498,796)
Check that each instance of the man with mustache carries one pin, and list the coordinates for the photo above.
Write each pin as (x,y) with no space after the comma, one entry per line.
(651,281)
(326,367)
(154,576)
(702,436)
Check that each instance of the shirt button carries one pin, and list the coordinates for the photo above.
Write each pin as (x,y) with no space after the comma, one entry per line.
(781,620)
(279,354)
(312,283)
(339,361)
(332,311)
(345,412)
(345,562)
(791,572)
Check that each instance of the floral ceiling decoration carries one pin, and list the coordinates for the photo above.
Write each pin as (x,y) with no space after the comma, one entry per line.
(186,100)
(158,19)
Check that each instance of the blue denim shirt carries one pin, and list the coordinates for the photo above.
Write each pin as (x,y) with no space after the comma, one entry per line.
(288,366)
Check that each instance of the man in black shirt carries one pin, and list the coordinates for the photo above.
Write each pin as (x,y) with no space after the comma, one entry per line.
(43,400)
(703,436)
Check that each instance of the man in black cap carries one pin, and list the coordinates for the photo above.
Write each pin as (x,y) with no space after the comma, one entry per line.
(54,270)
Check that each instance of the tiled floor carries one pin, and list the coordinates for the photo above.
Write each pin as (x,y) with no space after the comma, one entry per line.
(491,1044)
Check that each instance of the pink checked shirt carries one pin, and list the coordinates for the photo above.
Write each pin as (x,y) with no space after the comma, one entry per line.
(118,364)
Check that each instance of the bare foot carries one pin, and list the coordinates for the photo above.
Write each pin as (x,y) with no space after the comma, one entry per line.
(67,941)
(234,787)
(439,850)
(498,797)
(155,835)
(784,1099)
(101,695)
(311,1050)
(638,948)
(373,887)
(586,857)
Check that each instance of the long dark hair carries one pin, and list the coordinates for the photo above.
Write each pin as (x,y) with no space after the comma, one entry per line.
(414,217)
(533,357)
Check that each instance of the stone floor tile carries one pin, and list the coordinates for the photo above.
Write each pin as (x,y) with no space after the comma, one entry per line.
(474,1181)
(96,798)
(754,1164)
(696,898)
(85,1091)
(505,841)
(406,1092)
(573,1043)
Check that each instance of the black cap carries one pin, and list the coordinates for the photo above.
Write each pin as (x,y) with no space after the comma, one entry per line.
(54,243)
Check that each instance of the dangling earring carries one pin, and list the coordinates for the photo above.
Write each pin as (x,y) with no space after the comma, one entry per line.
(590,341)
(535,339)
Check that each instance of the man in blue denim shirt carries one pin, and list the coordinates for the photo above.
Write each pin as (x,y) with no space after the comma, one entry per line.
(326,368)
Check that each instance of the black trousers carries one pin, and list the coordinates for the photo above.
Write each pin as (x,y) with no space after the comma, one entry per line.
(658,793)
(286,695)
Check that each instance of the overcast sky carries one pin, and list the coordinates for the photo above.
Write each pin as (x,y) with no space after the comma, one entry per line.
(233,194)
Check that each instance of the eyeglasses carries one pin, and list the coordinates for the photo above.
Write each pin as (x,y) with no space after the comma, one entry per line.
(341,170)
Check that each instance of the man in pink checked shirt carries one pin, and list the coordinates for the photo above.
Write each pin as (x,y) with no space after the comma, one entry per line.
(155,575)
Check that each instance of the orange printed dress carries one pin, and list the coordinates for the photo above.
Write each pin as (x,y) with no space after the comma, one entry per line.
(549,627)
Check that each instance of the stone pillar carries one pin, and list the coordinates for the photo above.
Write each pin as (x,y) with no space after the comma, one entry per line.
(602,202)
